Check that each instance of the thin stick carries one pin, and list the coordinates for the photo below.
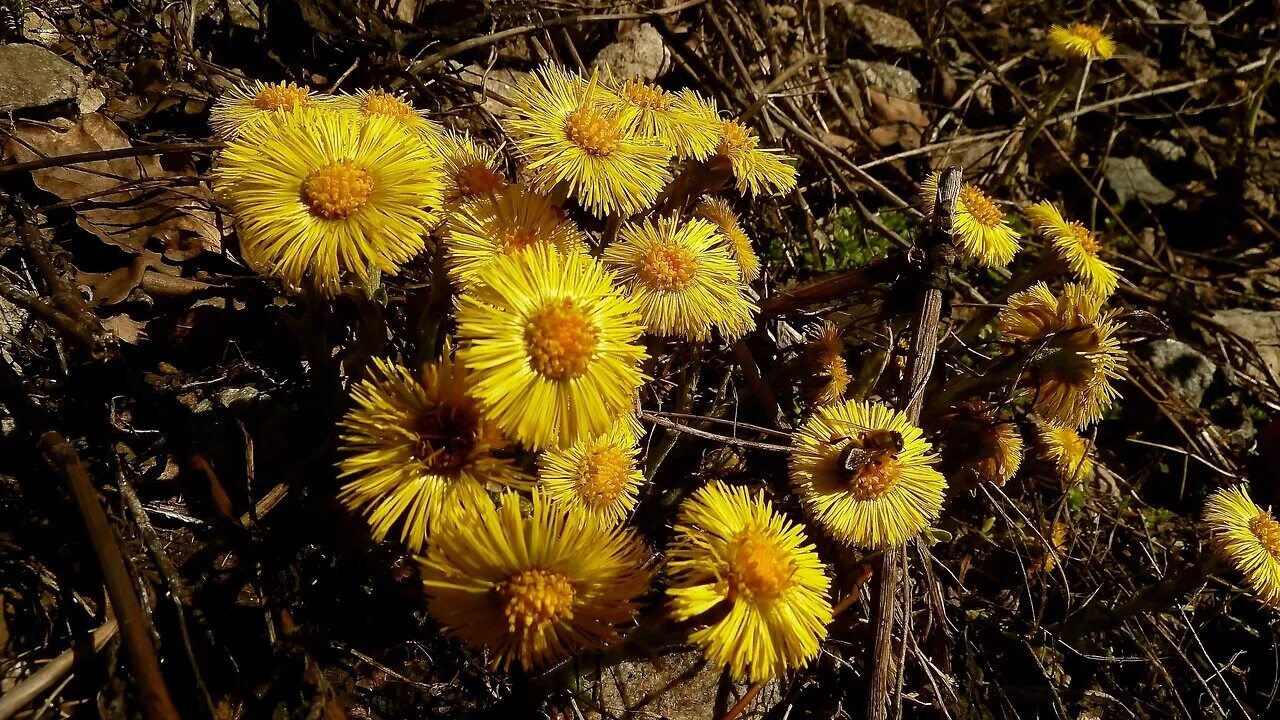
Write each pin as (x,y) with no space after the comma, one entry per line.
(885,671)
(136,151)
(712,436)
(35,685)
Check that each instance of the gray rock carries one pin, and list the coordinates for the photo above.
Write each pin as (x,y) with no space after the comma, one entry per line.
(39,29)
(1163,150)
(639,52)
(1188,370)
(1130,178)
(880,29)
(678,686)
(32,77)
(232,396)
(1262,327)
(889,79)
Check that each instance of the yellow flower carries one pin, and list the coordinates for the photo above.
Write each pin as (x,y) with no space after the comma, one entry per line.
(412,447)
(243,105)
(989,450)
(597,476)
(1077,247)
(719,213)
(752,575)
(865,473)
(570,137)
(1066,449)
(533,588)
(322,193)
(370,103)
(679,121)
(682,277)
(471,169)
(502,223)
(1075,348)
(828,367)
(1248,538)
(756,170)
(1080,40)
(980,229)
(552,345)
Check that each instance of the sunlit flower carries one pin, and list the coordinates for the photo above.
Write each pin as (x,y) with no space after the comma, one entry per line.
(682,277)
(828,370)
(982,446)
(752,577)
(866,474)
(471,169)
(532,588)
(596,475)
(1080,40)
(412,446)
(1248,538)
(756,170)
(569,137)
(677,120)
(551,344)
(1075,350)
(502,223)
(245,104)
(719,213)
(979,227)
(320,194)
(1064,447)
(1077,247)
(370,103)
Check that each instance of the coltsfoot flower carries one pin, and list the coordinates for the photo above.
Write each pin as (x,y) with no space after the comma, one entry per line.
(680,121)
(719,213)
(246,104)
(1078,248)
(756,170)
(1248,538)
(980,228)
(471,168)
(1068,452)
(596,475)
(501,223)
(1081,41)
(380,103)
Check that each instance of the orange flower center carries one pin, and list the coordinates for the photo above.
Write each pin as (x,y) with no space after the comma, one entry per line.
(603,476)
(734,137)
(532,599)
(1267,531)
(645,95)
(561,340)
(448,435)
(980,206)
(513,239)
(337,191)
(281,97)
(597,134)
(380,102)
(476,179)
(875,479)
(1083,238)
(668,267)
(758,568)
(1091,34)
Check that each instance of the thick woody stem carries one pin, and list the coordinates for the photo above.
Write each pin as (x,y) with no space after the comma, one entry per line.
(941,253)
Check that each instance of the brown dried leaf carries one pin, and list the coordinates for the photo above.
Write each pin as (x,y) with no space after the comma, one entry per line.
(128,202)
(126,328)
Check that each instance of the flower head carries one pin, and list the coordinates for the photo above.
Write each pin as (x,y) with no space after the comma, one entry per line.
(1077,247)
(533,588)
(501,223)
(320,194)
(719,213)
(413,446)
(827,365)
(380,103)
(979,228)
(682,277)
(569,136)
(596,475)
(989,449)
(756,170)
(471,169)
(1064,447)
(551,344)
(1076,351)
(246,104)
(1248,538)
(866,474)
(737,560)
(1081,41)
(679,121)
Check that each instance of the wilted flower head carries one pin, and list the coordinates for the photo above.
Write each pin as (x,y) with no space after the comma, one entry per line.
(980,229)
(733,552)
(981,445)
(827,372)
(1248,538)
(1081,41)
(1077,246)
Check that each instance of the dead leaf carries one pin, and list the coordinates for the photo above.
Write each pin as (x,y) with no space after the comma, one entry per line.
(114,287)
(126,328)
(128,202)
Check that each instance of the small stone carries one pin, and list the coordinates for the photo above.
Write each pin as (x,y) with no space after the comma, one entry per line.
(1188,370)
(640,52)
(880,29)
(889,79)
(1164,150)
(39,30)
(232,396)
(32,77)
(1130,178)
(678,686)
